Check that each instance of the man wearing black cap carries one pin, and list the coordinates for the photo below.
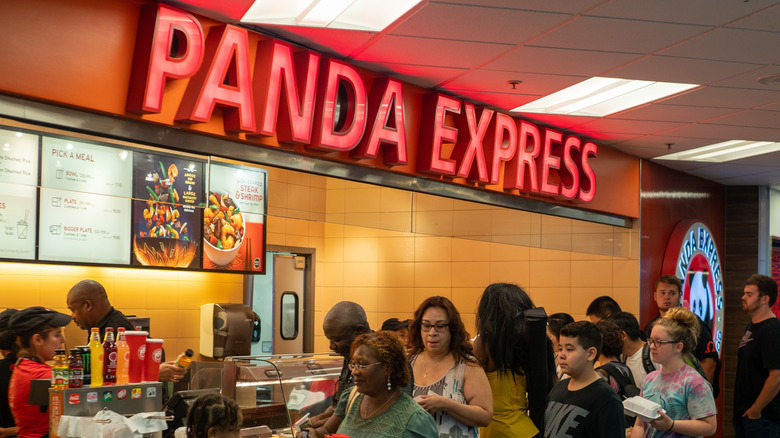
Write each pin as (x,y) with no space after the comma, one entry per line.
(8,350)
(401,329)
(39,331)
(89,305)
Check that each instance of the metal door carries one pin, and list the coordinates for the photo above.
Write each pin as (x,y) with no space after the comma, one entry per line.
(288,303)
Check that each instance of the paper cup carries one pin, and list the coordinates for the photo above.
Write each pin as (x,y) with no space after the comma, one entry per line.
(136,341)
(153,359)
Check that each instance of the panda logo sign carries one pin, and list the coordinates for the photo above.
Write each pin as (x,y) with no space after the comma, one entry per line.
(692,256)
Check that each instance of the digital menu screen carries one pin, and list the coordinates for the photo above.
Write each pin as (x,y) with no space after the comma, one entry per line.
(18,194)
(85,202)
(234,219)
(167,211)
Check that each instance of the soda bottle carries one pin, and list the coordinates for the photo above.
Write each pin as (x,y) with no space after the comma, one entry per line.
(85,355)
(185,359)
(76,366)
(59,372)
(109,358)
(122,358)
(95,357)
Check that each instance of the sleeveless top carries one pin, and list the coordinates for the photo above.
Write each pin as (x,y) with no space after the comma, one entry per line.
(510,408)
(450,386)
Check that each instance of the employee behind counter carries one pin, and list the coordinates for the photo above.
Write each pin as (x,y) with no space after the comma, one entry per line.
(89,306)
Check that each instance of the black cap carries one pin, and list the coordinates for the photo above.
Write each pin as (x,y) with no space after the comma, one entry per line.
(395,324)
(5,315)
(26,320)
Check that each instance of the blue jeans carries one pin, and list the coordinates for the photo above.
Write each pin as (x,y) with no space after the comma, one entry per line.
(744,427)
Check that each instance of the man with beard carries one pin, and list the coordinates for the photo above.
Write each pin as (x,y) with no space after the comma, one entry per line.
(756,402)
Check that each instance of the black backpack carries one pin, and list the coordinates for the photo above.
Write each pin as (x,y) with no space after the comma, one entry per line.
(627,387)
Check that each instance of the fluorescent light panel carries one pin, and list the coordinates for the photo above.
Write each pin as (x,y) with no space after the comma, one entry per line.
(370,15)
(599,97)
(724,151)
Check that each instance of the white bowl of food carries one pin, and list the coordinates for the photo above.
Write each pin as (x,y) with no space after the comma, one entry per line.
(223,228)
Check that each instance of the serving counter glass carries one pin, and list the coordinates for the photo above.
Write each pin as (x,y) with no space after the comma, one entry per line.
(276,391)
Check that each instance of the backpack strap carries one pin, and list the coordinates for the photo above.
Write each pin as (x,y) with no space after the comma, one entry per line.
(613,372)
(647,362)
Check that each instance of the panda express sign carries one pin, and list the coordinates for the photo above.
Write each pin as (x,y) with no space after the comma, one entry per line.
(692,256)
(293,95)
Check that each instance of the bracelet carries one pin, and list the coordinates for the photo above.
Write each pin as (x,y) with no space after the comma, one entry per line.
(672,426)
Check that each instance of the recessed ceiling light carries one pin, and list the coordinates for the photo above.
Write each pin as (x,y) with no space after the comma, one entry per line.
(724,151)
(599,97)
(368,15)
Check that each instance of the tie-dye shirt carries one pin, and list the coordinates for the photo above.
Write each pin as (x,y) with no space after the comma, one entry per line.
(683,394)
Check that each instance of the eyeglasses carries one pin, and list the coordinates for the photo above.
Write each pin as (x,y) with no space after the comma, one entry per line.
(437,327)
(657,342)
(360,366)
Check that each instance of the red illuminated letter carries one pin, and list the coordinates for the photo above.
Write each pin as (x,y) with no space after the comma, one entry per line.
(386,111)
(275,65)
(570,180)
(228,49)
(502,150)
(153,63)
(588,186)
(469,147)
(345,137)
(433,132)
(515,176)
(549,161)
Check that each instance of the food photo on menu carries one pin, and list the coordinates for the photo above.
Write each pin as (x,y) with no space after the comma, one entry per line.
(233,219)
(167,194)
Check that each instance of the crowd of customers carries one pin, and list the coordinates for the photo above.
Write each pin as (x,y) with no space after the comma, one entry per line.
(522,374)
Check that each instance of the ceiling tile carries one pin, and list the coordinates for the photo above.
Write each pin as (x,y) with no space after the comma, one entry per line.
(720,132)
(753,118)
(636,127)
(420,75)
(659,143)
(555,120)
(727,44)
(672,113)
(431,52)
(766,20)
(704,12)
(617,35)
(496,81)
(749,79)
(338,43)
(606,138)
(477,23)
(683,70)
(722,97)
(498,100)
(560,61)
(567,6)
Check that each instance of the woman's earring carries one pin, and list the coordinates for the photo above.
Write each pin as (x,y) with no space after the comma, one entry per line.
(389,385)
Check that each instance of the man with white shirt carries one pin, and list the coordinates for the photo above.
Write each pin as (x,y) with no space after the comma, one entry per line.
(632,344)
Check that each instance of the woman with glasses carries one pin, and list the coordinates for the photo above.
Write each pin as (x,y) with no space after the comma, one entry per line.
(376,407)
(684,395)
(449,383)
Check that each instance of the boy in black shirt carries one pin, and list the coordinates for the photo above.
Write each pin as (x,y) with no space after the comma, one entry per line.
(583,405)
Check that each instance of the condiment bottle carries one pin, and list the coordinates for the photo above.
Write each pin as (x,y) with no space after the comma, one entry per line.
(96,357)
(76,367)
(185,359)
(109,358)
(59,372)
(122,358)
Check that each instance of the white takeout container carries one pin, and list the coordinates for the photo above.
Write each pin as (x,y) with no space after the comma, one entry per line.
(643,408)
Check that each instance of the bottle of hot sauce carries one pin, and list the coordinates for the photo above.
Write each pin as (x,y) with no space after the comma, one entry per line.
(109,358)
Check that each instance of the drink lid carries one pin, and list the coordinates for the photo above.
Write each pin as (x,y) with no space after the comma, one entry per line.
(76,350)
(154,341)
(188,352)
(59,351)
(136,333)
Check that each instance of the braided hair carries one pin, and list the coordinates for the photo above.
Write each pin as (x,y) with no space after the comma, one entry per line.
(212,410)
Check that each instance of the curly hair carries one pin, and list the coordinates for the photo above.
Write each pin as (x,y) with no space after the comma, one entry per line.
(683,327)
(611,344)
(212,410)
(388,349)
(460,346)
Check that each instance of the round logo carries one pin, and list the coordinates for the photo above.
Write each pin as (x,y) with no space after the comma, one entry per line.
(112,357)
(142,352)
(157,355)
(692,256)
(256,263)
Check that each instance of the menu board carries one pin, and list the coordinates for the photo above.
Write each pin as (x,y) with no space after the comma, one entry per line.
(83,227)
(234,219)
(18,181)
(168,199)
(85,202)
